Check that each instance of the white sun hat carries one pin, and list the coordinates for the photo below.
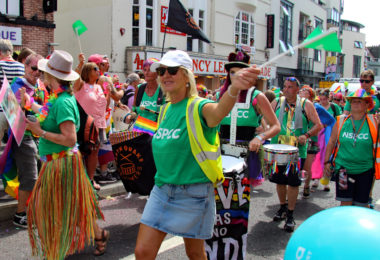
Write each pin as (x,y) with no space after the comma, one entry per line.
(174,59)
(59,65)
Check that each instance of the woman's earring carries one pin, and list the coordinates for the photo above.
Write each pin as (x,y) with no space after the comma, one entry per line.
(188,85)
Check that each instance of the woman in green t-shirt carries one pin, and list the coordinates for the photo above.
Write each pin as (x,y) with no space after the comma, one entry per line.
(182,201)
(354,135)
(63,207)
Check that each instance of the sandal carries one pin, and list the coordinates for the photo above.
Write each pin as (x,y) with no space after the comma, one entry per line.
(101,243)
(95,185)
(306,192)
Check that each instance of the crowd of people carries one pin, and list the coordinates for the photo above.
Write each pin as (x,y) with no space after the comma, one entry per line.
(65,152)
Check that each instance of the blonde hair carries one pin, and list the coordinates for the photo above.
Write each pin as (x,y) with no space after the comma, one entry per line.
(191,91)
(61,82)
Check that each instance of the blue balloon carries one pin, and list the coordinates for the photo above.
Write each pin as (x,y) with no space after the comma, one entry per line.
(345,232)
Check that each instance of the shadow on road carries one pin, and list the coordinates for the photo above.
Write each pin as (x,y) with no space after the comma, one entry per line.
(122,243)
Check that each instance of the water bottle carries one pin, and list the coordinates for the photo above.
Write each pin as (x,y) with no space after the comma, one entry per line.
(302,175)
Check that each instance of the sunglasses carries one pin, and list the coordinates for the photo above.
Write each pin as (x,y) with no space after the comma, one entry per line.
(95,68)
(171,70)
(35,68)
(337,99)
(365,80)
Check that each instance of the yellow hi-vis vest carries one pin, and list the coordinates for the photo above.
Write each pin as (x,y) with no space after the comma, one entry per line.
(207,155)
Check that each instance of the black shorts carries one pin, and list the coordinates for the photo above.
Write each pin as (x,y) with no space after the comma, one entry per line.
(358,188)
(292,179)
(313,148)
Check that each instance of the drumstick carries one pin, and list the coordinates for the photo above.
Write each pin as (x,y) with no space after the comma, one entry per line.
(149,110)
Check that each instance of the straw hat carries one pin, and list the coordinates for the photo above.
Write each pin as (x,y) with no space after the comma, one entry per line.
(361,93)
(59,65)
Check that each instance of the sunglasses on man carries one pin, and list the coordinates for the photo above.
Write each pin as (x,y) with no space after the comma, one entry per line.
(337,99)
(35,68)
(171,70)
(365,80)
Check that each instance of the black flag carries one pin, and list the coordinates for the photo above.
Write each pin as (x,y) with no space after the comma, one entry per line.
(181,20)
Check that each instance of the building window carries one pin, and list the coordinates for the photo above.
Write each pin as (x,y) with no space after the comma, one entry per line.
(286,17)
(10,7)
(318,53)
(244,29)
(189,37)
(201,25)
(199,17)
(356,66)
(358,44)
(149,22)
(334,17)
(142,29)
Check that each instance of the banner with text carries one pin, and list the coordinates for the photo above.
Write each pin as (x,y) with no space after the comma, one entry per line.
(229,239)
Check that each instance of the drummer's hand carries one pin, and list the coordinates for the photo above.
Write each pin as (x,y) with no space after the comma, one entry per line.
(327,170)
(128,119)
(254,145)
(302,139)
(244,78)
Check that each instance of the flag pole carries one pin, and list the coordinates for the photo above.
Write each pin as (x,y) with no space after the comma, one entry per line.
(330,31)
(163,42)
(80,47)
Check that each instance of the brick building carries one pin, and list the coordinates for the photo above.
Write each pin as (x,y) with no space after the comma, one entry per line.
(28,23)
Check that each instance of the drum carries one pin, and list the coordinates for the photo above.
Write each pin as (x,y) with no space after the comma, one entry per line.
(134,159)
(232,199)
(282,154)
(232,165)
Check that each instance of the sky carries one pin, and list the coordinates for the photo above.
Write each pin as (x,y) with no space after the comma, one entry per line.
(367,13)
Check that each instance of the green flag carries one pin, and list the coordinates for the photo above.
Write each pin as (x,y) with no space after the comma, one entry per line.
(79,27)
(327,43)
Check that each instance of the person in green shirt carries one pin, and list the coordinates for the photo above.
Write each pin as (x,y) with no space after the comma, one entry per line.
(353,135)
(182,201)
(63,207)
(294,114)
(331,107)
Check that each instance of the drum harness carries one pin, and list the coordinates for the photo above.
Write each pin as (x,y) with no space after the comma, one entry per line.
(231,148)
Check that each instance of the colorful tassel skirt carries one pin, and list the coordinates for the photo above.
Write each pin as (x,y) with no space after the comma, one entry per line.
(62,209)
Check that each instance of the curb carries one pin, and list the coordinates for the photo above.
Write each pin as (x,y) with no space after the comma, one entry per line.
(8,208)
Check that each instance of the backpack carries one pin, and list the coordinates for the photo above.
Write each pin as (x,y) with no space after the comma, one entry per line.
(140,94)
(335,112)
(88,133)
(127,95)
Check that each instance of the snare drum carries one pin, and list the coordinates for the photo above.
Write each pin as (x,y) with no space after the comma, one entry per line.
(232,165)
(282,154)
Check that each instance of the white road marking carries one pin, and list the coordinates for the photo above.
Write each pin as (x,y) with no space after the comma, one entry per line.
(165,246)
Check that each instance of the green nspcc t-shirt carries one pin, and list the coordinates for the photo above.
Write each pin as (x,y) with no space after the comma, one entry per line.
(149,103)
(347,156)
(172,154)
(64,109)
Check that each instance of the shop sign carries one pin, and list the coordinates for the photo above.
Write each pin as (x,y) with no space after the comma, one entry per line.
(268,72)
(201,66)
(14,34)
(164,19)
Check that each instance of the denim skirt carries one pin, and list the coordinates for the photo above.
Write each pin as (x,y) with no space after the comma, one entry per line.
(181,210)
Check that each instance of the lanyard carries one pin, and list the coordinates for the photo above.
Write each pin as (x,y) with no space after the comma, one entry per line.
(290,123)
(360,128)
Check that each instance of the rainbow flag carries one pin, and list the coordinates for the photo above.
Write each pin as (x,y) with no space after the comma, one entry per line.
(337,90)
(145,125)
(8,170)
